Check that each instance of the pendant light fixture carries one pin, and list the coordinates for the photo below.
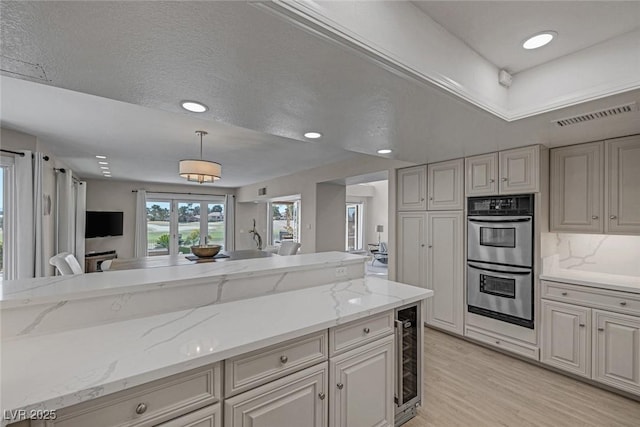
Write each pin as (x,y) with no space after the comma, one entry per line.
(200,171)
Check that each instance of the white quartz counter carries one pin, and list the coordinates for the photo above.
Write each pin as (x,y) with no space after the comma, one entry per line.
(593,279)
(60,369)
(17,293)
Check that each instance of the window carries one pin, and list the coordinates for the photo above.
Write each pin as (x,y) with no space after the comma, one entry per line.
(174,224)
(284,221)
(2,203)
(6,177)
(355,227)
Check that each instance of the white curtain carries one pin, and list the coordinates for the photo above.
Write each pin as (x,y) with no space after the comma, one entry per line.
(66,212)
(80,192)
(140,240)
(19,249)
(230,222)
(39,260)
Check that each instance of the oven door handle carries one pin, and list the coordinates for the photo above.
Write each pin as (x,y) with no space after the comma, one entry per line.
(500,220)
(519,273)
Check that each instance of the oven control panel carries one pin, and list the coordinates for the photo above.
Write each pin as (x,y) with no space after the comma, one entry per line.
(501,205)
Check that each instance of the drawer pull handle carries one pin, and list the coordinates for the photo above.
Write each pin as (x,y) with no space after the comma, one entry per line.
(594,217)
(613,217)
(623,303)
(581,325)
(564,294)
(601,329)
(430,198)
(366,330)
(141,408)
(497,342)
(340,386)
(321,395)
(422,199)
(284,359)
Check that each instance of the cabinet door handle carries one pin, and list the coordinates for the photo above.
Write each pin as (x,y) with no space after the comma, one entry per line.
(430,198)
(623,303)
(492,180)
(504,180)
(422,199)
(321,395)
(564,294)
(594,217)
(141,408)
(284,359)
(430,246)
(601,329)
(612,217)
(422,245)
(339,385)
(581,325)
(366,330)
(497,342)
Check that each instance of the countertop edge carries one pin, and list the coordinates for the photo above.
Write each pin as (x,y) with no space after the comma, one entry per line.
(592,283)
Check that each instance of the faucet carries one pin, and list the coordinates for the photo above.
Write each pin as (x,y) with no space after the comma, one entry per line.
(256,236)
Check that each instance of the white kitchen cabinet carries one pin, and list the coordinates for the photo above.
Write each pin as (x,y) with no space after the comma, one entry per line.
(519,170)
(298,399)
(362,386)
(566,337)
(445,255)
(482,175)
(412,189)
(616,350)
(623,185)
(411,244)
(577,188)
(445,188)
(211,416)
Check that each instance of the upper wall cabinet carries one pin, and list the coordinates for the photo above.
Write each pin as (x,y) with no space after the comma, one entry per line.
(445,185)
(595,187)
(519,170)
(412,189)
(482,175)
(577,187)
(623,185)
(507,172)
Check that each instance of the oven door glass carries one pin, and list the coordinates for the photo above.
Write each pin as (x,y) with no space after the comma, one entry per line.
(501,240)
(498,286)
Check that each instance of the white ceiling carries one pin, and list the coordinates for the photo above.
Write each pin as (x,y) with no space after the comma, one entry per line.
(496,29)
(126,65)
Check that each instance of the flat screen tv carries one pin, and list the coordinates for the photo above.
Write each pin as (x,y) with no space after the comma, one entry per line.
(102,224)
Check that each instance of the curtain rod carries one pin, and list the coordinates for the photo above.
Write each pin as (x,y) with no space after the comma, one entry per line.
(18,153)
(188,194)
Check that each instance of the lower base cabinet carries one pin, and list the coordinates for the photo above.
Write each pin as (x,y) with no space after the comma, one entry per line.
(362,386)
(298,399)
(211,416)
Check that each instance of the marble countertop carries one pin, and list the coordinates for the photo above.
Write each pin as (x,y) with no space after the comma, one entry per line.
(593,279)
(17,293)
(61,369)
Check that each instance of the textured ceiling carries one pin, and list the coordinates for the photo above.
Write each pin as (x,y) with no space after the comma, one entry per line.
(496,29)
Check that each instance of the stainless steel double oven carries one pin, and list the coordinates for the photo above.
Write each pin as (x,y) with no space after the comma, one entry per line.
(500,258)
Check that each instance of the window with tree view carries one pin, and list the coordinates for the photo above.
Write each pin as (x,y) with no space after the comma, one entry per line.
(174,225)
(284,218)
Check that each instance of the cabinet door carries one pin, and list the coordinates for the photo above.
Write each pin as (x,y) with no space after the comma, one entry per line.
(411,232)
(444,183)
(577,184)
(362,385)
(519,170)
(623,178)
(211,416)
(445,270)
(566,337)
(300,397)
(412,189)
(482,175)
(616,349)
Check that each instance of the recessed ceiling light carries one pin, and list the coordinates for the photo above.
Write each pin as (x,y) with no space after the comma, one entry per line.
(539,40)
(313,135)
(104,167)
(101,157)
(384,151)
(103,163)
(194,106)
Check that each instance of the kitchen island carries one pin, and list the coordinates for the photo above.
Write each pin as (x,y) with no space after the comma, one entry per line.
(75,369)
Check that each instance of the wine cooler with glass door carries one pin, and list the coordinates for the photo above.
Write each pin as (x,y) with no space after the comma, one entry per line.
(408,393)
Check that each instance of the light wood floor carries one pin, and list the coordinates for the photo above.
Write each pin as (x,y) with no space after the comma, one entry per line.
(471,386)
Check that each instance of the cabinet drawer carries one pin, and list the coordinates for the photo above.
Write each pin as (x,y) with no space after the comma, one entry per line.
(499,341)
(158,401)
(622,302)
(264,365)
(211,416)
(353,334)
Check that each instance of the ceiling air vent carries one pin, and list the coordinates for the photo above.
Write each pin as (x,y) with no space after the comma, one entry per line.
(600,114)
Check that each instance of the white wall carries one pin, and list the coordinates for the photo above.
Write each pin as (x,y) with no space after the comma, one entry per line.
(304,184)
(245,214)
(331,214)
(112,195)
